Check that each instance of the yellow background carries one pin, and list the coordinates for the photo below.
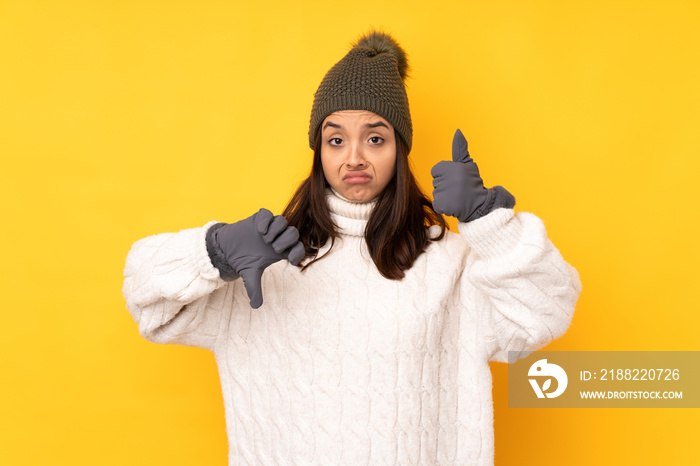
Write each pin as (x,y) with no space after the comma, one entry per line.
(121,119)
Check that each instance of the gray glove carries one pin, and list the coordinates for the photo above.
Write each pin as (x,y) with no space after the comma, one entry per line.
(459,190)
(246,248)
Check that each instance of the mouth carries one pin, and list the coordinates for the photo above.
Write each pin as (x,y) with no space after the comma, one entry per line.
(357,177)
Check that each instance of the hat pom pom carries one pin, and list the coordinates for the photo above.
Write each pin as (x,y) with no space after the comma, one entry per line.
(382,42)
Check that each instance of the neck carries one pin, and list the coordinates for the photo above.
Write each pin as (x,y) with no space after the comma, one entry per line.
(350,217)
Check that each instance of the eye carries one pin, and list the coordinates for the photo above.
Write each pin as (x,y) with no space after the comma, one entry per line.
(376,140)
(335,141)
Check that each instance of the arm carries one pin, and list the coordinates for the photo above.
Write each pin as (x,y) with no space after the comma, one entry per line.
(171,280)
(169,285)
(530,292)
(523,290)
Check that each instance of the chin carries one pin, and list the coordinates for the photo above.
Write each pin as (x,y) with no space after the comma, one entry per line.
(359,196)
(355,193)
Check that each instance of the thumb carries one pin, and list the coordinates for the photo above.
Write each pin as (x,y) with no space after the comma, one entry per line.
(459,149)
(252,279)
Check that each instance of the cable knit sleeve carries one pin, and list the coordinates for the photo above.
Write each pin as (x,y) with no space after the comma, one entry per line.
(172,290)
(530,291)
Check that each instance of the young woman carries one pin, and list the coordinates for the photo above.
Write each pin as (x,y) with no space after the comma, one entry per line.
(354,329)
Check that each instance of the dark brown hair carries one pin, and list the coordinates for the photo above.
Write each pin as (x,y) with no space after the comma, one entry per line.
(397,230)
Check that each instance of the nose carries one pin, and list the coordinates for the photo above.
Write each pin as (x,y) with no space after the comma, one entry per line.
(356,157)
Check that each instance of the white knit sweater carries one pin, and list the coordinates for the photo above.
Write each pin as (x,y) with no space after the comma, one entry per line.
(343,366)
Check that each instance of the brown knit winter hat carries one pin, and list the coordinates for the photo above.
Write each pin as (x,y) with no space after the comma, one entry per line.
(370,77)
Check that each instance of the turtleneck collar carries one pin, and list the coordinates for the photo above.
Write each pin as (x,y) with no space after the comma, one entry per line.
(350,217)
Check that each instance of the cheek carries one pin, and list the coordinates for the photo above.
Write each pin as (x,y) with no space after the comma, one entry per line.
(388,168)
(327,168)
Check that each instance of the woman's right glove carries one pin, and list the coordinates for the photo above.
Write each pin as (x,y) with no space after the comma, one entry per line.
(246,248)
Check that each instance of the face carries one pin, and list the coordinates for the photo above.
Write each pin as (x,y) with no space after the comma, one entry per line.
(358,153)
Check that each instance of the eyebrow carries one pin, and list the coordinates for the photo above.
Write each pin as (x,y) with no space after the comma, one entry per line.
(367,125)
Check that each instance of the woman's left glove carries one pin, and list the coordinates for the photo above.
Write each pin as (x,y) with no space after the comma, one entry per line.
(459,190)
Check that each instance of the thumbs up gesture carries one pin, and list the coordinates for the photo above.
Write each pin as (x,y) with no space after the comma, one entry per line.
(459,190)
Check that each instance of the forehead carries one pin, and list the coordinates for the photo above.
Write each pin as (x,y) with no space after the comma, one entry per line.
(356,116)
